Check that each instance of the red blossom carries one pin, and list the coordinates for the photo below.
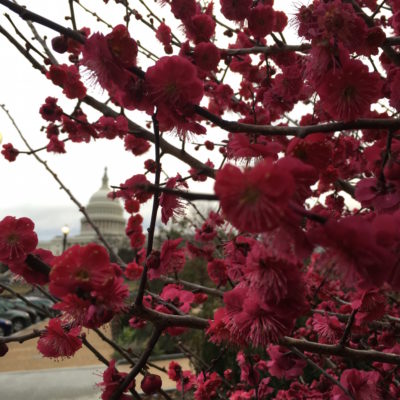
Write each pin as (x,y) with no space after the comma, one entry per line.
(58,340)
(383,197)
(261,20)
(32,275)
(242,146)
(133,271)
(180,298)
(88,285)
(207,56)
(110,128)
(254,200)
(253,322)
(123,48)
(315,150)
(235,10)
(182,9)
(67,76)
(170,204)
(131,188)
(361,385)
(217,272)
(187,382)
(370,306)
(164,35)
(108,58)
(17,239)
(284,364)
(329,328)
(50,111)
(277,276)
(355,249)
(173,83)
(9,152)
(200,28)
(174,371)
(80,269)
(111,381)
(136,145)
(348,92)
(55,145)
(171,259)
(132,206)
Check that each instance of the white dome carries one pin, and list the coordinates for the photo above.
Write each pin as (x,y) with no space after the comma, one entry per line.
(106,213)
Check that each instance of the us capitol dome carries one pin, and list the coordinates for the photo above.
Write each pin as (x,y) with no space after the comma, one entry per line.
(106,214)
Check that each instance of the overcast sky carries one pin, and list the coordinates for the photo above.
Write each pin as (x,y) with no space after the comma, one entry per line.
(26,188)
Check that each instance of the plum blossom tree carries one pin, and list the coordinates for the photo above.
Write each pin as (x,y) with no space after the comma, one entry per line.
(303,286)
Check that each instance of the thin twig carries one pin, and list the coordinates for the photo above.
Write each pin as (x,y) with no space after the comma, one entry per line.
(139,365)
(152,188)
(28,43)
(72,12)
(42,42)
(66,190)
(21,338)
(42,309)
(347,330)
(31,16)
(156,201)
(99,356)
(318,368)
(194,286)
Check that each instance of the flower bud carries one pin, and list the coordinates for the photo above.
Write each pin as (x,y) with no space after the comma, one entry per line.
(60,44)
(151,383)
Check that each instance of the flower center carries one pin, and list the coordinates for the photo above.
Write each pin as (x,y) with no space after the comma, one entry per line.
(250,196)
(12,238)
(349,92)
(170,89)
(82,275)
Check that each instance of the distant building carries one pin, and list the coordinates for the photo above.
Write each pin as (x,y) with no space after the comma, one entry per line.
(106,214)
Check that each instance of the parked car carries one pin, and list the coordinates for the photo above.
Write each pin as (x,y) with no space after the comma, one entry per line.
(21,306)
(42,302)
(20,319)
(6,327)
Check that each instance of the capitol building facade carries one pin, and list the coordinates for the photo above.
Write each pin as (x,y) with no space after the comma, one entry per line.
(106,214)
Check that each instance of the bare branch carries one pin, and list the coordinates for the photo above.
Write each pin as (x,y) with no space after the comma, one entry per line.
(194,286)
(318,368)
(66,190)
(139,365)
(156,202)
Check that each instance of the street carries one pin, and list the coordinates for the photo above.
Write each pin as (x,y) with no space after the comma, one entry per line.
(26,375)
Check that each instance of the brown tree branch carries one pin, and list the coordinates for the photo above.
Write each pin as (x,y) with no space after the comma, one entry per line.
(42,309)
(156,202)
(31,16)
(337,350)
(318,368)
(194,286)
(138,366)
(231,126)
(299,131)
(347,329)
(179,193)
(21,338)
(67,191)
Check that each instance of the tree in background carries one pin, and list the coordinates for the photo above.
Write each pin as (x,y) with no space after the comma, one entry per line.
(301,293)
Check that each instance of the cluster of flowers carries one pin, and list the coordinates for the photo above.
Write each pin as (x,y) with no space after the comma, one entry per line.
(282,266)
(89,287)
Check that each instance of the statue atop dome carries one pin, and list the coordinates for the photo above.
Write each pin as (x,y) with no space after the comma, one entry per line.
(105,179)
